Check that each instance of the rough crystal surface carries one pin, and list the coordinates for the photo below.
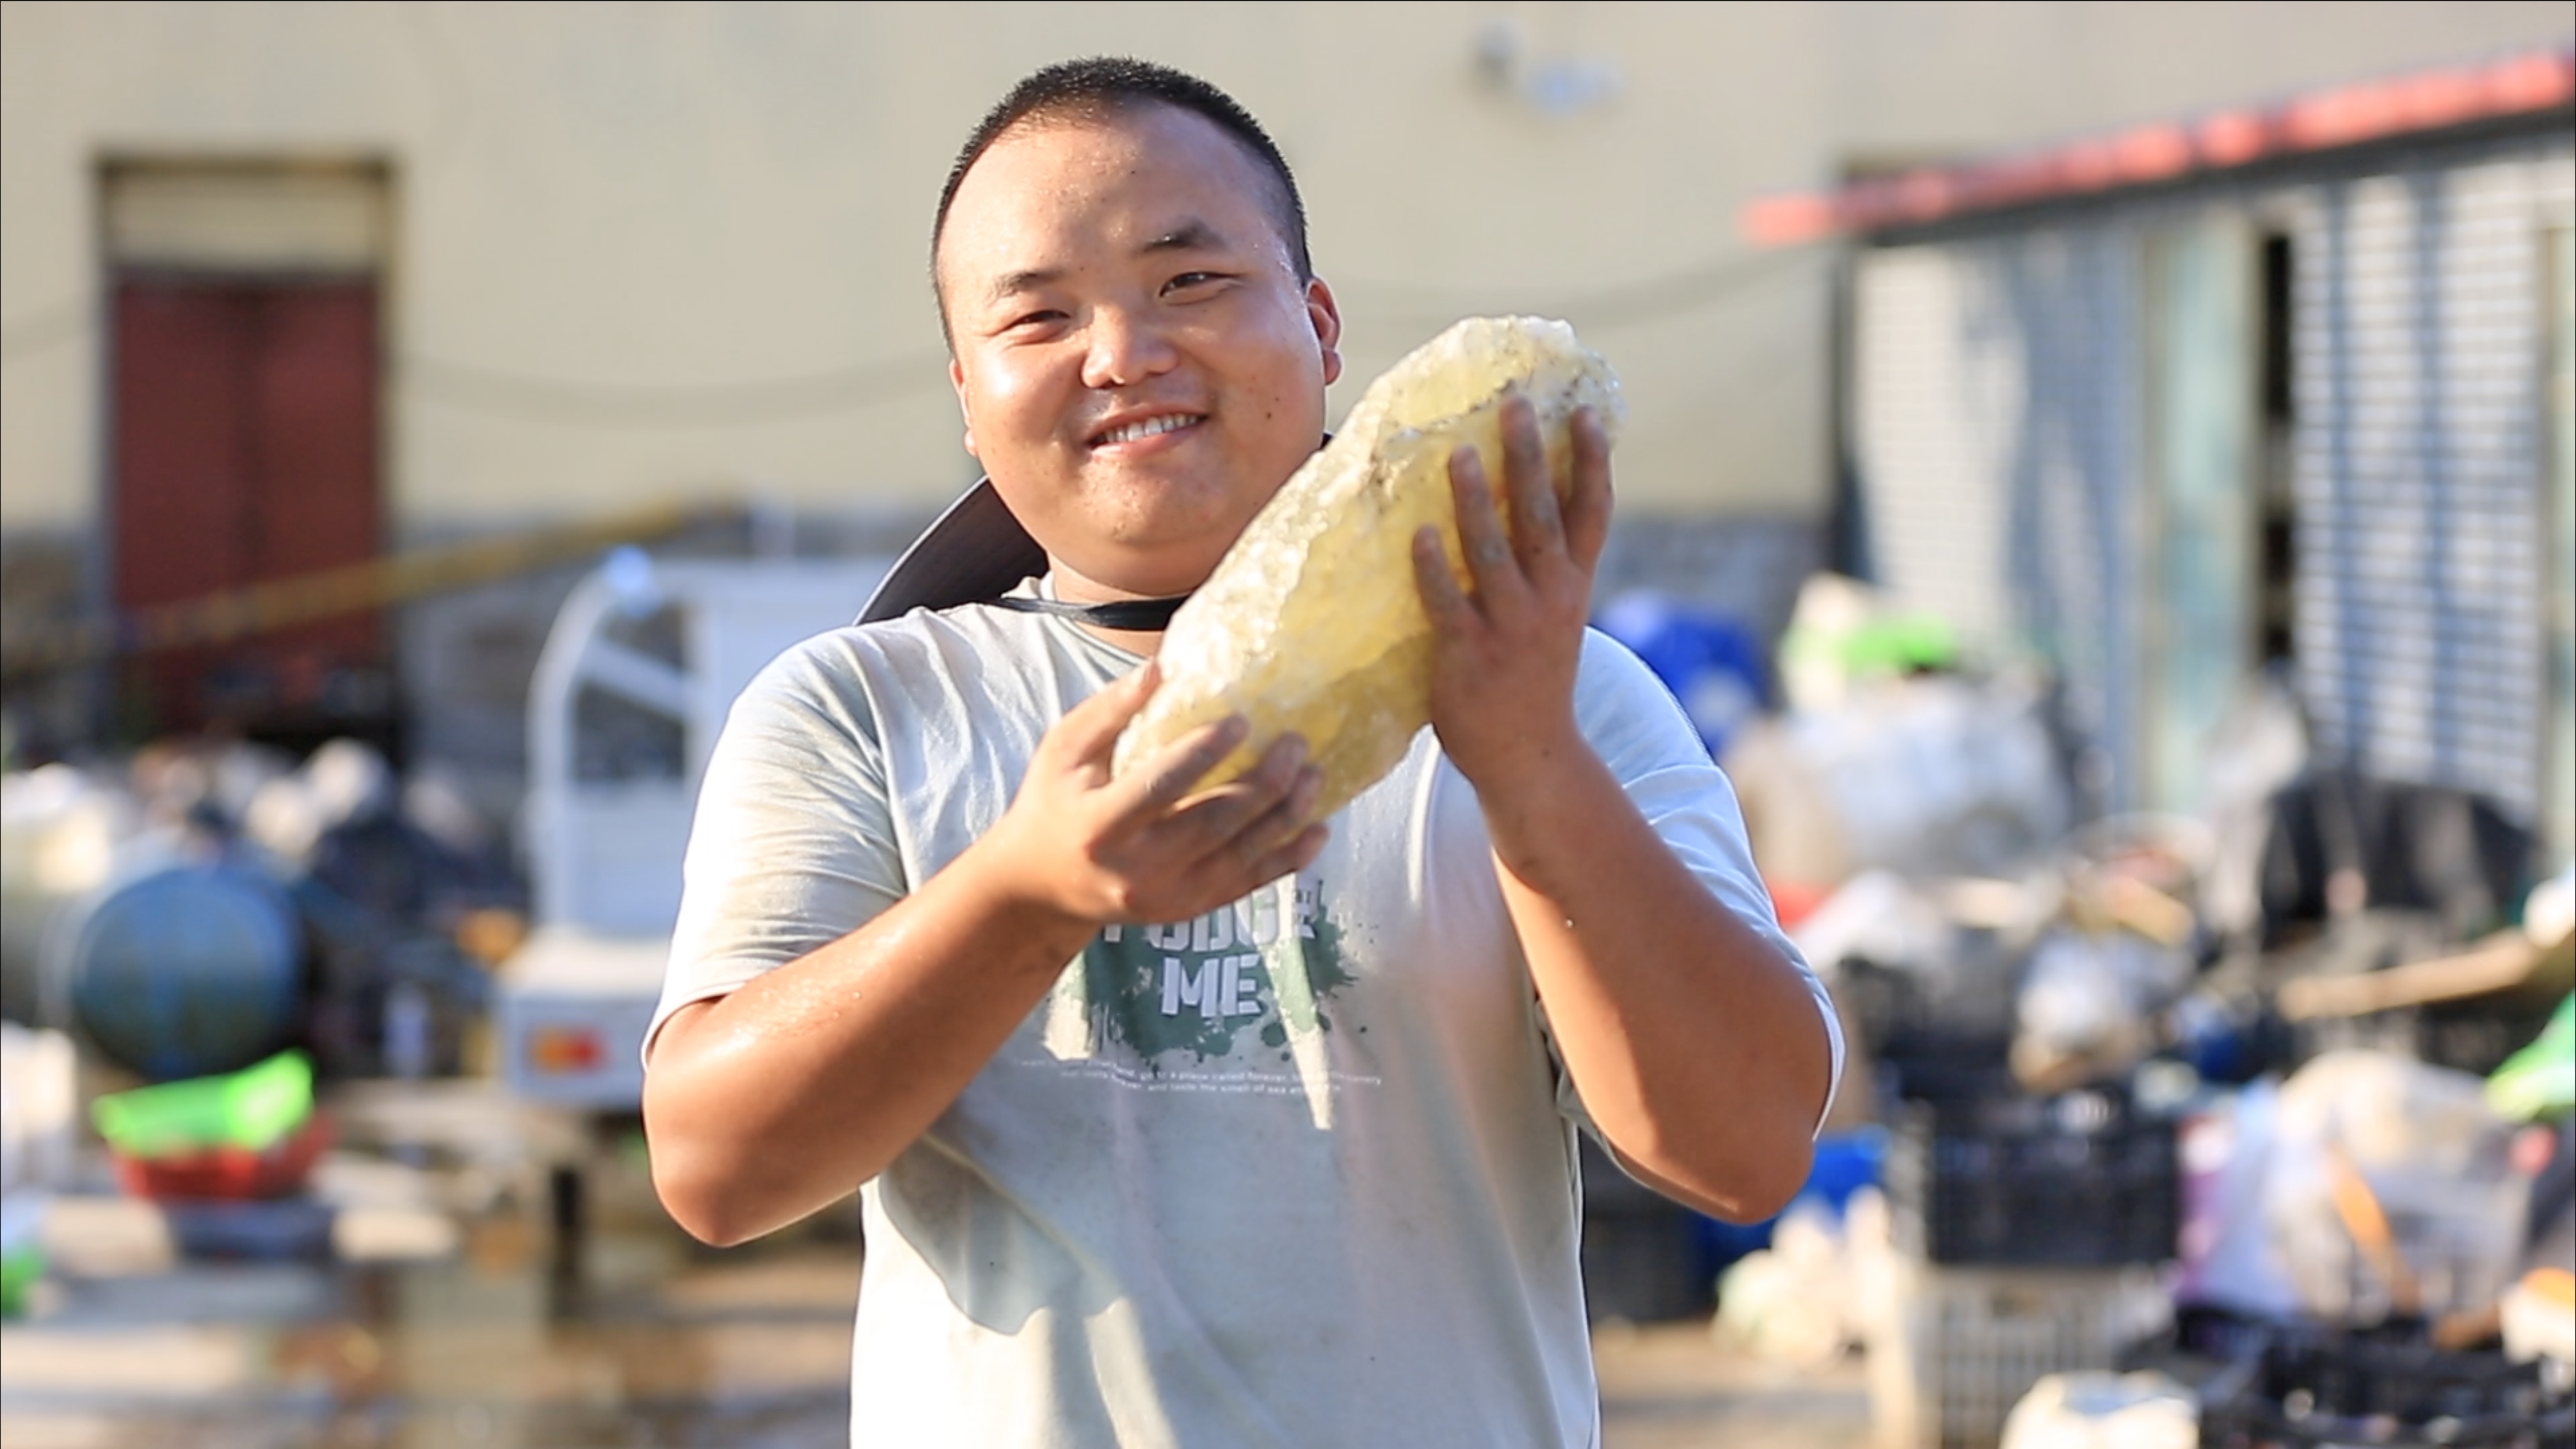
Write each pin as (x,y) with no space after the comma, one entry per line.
(1312,621)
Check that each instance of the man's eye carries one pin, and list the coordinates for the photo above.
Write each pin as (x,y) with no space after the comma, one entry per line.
(1187,280)
(1043,318)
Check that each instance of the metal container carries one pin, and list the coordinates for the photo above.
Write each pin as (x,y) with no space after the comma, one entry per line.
(177,967)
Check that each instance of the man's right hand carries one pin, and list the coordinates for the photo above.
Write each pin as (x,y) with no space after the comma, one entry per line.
(1141,847)
(767,1104)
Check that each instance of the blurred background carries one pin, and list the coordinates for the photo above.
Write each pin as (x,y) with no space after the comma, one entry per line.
(2102,476)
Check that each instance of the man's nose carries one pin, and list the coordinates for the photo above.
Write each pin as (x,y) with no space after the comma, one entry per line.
(1127,346)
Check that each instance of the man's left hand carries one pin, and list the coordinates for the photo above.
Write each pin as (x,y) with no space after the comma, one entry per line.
(1505,651)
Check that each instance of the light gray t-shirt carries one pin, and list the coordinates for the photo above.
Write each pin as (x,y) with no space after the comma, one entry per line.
(1298,1172)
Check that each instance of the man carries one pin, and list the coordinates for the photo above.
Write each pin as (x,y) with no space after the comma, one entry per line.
(1182,1118)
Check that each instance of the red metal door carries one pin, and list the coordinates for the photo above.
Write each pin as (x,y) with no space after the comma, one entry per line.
(245,447)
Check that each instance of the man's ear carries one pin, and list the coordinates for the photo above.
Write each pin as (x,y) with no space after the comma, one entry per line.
(957,380)
(1326,314)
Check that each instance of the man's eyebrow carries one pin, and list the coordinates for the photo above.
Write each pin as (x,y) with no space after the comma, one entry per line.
(1011,284)
(1190,236)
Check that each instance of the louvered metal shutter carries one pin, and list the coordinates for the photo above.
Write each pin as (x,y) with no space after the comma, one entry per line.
(1994,424)
(2420,515)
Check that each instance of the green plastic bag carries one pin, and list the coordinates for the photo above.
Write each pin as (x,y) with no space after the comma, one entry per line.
(250,1109)
(2540,1080)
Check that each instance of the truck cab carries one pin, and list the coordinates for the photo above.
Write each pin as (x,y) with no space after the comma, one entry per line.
(632,686)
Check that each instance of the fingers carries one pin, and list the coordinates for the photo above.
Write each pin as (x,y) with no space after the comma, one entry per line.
(1173,769)
(1250,830)
(1442,600)
(1543,530)
(1480,525)
(1151,843)
(1280,838)
(1587,510)
(1231,810)
(1537,530)
(1089,729)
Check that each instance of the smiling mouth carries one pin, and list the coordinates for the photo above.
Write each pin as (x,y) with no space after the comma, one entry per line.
(1147,428)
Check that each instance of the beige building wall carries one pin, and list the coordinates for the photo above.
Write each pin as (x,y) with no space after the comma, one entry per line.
(652,250)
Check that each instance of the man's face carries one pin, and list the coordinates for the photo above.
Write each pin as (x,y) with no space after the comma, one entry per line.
(1139,366)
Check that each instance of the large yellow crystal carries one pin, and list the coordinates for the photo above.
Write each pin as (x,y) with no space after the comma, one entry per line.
(1312,621)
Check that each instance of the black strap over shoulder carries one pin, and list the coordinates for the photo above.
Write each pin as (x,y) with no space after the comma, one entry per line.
(1144,615)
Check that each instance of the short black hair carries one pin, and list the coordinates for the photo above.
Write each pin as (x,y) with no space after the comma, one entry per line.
(1104,85)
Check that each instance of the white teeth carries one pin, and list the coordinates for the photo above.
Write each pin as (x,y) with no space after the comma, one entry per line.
(1148,428)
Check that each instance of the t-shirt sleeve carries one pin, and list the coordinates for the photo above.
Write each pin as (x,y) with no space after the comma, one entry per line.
(793,845)
(1639,730)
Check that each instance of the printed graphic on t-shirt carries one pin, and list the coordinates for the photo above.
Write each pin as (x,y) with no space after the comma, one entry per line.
(1259,970)
(1237,1000)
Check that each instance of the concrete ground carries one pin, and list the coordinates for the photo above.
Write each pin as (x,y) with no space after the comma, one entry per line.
(1673,1386)
(756,1360)
(437,1318)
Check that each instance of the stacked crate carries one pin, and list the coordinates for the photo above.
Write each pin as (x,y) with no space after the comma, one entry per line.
(2316,1387)
(2026,1238)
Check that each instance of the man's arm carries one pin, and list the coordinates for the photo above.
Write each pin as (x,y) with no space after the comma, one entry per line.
(1697,1048)
(769,1103)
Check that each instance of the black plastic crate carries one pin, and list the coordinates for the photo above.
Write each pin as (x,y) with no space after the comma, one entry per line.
(2206,1343)
(2322,1389)
(2074,1180)
(1941,1065)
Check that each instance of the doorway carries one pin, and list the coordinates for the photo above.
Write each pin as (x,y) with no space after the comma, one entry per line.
(245,445)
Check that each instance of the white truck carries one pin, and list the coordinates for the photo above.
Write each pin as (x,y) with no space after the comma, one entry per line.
(604,854)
